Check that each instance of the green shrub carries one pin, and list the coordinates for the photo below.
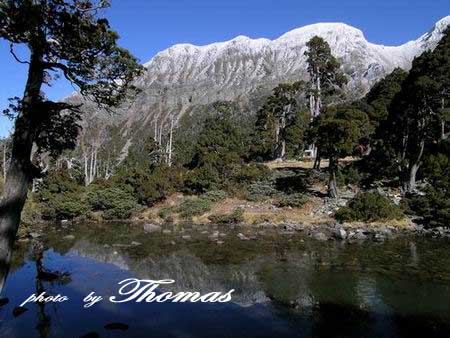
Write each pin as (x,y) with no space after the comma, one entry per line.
(293,201)
(203,179)
(261,191)
(150,185)
(166,213)
(32,211)
(195,207)
(115,202)
(236,217)
(369,207)
(215,195)
(290,182)
(433,207)
(251,173)
(349,175)
(65,205)
(61,197)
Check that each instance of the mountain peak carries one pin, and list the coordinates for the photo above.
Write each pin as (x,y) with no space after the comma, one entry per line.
(443,23)
(323,29)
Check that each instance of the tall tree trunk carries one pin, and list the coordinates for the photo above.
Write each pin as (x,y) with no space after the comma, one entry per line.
(443,136)
(169,159)
(332,183)
(317,160)
(409,180)
(86,172)
(20,171)
(277,140)
(5,168)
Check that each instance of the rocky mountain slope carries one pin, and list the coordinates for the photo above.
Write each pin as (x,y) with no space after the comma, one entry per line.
(184,77)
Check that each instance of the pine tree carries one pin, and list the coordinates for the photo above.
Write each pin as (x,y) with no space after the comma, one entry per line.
(417,115)
(66,38)
(325,77)
(280,121)
(337,132)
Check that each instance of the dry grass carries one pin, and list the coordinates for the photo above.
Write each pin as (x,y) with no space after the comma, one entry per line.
(304,164)
(254,212)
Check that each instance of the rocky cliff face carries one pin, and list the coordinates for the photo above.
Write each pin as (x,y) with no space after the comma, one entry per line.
(184,77)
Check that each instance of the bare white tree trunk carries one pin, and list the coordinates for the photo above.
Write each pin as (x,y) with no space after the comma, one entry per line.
(91,163)
(160,134)
(170,142)
(95,165)
(155,137)
(86,173)
(318,103)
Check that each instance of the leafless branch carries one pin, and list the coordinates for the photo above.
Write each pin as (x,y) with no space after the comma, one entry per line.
(11,50)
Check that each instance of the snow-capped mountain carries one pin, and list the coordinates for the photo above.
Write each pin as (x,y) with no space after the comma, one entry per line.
(183,77)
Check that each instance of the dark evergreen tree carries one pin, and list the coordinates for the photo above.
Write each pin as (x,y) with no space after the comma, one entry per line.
(337,132)
(417,114)
(220,149)
(326,80)
(381,95)
(326,77)
(66,38)
(281,123)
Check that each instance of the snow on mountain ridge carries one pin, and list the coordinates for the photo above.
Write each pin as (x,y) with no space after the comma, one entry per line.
(185,77)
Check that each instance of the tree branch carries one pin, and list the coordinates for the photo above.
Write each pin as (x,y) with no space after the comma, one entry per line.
(11,50)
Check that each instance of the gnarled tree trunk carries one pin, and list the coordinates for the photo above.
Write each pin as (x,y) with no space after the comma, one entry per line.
(332,183)
(20,171)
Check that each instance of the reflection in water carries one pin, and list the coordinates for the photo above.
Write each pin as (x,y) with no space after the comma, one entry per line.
(286,286)
(43,275)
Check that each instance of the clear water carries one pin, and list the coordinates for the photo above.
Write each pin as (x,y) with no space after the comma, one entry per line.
(286,285)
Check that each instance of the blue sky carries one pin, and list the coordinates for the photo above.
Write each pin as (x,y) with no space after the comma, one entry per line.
(149,26)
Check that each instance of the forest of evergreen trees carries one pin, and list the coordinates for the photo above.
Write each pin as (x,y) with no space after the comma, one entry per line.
(397,134)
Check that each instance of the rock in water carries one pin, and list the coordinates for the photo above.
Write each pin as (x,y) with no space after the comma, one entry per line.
(19,310)
(90,335)
(341,234)
(149,228)
(117,326)
(320,236)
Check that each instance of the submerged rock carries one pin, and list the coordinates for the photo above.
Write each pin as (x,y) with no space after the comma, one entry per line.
(90,335)
(117,326)
(4,301)
(360,236)
(242,237)
(149,228)
(19,310)
(340,234)
(320,236)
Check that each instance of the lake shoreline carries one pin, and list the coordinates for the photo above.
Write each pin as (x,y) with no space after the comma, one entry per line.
(352,232)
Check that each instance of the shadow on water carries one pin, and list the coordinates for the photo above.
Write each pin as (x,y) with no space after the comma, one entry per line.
(285,285)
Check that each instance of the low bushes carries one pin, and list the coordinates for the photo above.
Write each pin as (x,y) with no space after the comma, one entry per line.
(433,207)
(293,201)
(166,213)
(61,197)
(215,195)
(261,191)
(236,217)
(66,205)
(115,202)
(369,207)
(196,207)
(349,175)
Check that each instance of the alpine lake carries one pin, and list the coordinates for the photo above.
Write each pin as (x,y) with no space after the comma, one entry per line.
(286,284)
